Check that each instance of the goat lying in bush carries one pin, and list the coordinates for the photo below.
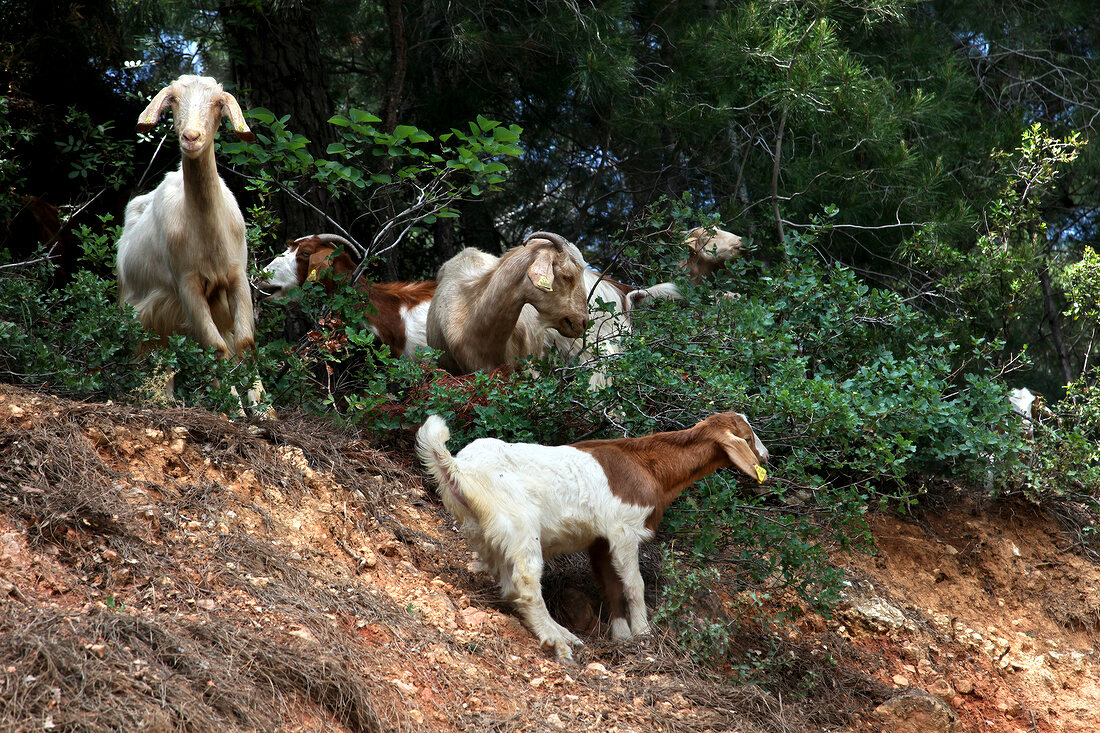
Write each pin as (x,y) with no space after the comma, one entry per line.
(400,309)
(479,316)
(519,503)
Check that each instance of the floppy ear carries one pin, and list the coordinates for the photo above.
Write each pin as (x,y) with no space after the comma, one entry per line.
(232,110)
(149,118)
(741,455)
(541,271)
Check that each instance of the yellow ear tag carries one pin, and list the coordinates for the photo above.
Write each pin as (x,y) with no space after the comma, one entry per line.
(761,474)
(544,283)
(312,276)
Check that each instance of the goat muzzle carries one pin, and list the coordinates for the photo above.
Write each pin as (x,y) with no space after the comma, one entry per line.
(573,327)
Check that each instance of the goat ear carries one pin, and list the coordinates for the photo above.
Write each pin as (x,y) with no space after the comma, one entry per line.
(742,457)
(236,117)
(541,270)
(149,118)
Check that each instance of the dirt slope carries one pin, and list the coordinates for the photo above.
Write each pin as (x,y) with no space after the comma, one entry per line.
(171,570)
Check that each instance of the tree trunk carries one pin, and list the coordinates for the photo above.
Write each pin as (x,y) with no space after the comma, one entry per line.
(399,51)
(1052,316)
(276,62)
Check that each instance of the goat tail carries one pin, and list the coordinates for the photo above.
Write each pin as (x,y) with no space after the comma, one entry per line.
(665,290)
(431,447)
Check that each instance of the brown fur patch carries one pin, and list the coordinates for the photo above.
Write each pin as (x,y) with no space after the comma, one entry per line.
(652,470)
(389,299)
(316,262)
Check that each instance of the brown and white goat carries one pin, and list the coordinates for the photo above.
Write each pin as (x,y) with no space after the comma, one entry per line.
(519,503)
(490,311)
(400,308)
(710,249)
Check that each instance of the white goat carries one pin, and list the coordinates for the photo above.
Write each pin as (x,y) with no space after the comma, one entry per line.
(479,316)
(606,328)
(182,257)
(519,503)
(710,249)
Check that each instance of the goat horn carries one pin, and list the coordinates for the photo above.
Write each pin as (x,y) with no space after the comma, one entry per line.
(337,239)
(557,240)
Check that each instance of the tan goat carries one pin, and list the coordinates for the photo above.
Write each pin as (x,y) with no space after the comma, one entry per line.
(489,311)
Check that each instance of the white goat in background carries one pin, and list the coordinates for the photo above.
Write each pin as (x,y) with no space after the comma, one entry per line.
(182,258)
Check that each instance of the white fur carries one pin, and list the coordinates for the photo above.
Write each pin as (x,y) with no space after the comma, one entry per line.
(605,329)
(416,328)
(1021,400)
(280,276)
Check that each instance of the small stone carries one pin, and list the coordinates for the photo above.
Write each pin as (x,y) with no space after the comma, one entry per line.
(916,713)
(596,668)
(404,687)
(472,618)
(964,687)
(900,681)
(303,633)
(942,689)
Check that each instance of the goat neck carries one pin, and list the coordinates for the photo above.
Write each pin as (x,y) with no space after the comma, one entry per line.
(497,309)
(201,183)
(654,469)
